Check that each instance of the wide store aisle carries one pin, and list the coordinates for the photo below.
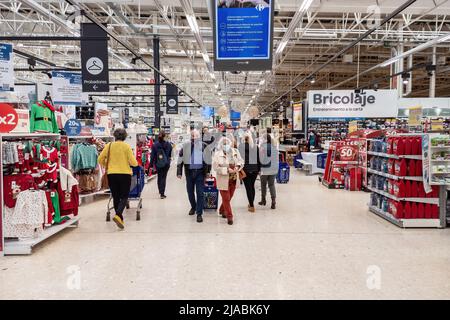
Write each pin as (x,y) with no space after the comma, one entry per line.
(319,243)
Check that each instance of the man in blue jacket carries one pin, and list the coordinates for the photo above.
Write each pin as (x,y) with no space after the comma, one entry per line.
(196,167)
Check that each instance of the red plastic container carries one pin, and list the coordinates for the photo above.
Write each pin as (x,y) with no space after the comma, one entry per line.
(416,145)
(391,166)
(420,211)
(407,210)
(428,211)
(412,168)
(414,210)
(397,209)
(421,191)
(434,211)
(401,168)
(399,146)
(408,146)
(418,168)
(414,190)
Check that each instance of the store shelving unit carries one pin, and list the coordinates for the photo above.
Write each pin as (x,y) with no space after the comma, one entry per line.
(18,246)
(408,223)
(25,246)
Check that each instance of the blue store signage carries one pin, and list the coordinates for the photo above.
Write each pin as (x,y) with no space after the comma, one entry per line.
(73,127)
(243,34)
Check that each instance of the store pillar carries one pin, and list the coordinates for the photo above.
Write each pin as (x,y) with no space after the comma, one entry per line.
(156,64)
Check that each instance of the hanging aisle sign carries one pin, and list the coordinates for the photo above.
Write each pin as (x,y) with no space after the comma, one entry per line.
(297,117)
(94,59)
(349,104)
(6,67)
(415,116)
(66,87)
(171,99)
(243,34)
(426,163)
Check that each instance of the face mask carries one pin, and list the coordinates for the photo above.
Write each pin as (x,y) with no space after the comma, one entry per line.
(226,148)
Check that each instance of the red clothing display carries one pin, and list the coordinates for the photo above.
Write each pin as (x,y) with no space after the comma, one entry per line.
(13,185)
(68,201)
(51,209)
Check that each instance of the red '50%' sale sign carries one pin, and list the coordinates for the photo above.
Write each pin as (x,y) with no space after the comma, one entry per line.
(8,118)
(347,153)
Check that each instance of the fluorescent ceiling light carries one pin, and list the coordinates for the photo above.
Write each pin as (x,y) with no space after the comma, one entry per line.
(193,23)
(444,38)
(205,57)
(305,5)
(421,47)
(281,47)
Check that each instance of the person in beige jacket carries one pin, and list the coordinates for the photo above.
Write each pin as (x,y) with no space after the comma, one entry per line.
(227,162)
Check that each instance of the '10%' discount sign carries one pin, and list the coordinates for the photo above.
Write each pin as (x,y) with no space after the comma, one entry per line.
(8,118)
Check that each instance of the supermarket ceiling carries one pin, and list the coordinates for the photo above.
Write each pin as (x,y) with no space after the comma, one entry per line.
(314,37)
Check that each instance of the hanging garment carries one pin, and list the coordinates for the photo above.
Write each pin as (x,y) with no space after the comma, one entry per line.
(84,157)
(67,180)
(14,185)
(49,218)
(43,118)
(68,201)
(28,217)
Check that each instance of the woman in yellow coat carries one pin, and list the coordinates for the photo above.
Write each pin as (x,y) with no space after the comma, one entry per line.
(117,158)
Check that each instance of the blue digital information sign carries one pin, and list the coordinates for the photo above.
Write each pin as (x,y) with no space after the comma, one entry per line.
(235,115)
(243,34)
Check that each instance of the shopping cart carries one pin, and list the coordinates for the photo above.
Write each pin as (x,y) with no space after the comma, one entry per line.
(137,186)
(283,170)
(210,194)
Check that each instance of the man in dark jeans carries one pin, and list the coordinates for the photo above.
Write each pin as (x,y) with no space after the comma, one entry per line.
(191,158)
(160,157)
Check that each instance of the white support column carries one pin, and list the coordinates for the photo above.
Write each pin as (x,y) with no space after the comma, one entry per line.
(433,76)
(399,64)
(409,85)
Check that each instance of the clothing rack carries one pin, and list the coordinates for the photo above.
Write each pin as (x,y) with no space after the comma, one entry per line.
(80,139)
(25,246)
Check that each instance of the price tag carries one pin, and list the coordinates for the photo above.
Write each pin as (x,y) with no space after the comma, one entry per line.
(8,118)
(73,127)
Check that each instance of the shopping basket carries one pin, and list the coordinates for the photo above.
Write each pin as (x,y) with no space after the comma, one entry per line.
(283,170)
(136,188)
(210,194)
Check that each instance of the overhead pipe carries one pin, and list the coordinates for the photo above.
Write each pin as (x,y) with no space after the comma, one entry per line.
(348,47)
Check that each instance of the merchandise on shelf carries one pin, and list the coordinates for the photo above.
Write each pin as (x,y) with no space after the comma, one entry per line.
(33,195)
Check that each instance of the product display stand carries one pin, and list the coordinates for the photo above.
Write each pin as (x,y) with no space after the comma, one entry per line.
(105,138)
(18,246)
(385,185)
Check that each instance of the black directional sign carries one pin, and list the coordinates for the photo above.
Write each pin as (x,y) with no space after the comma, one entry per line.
(94,59)
(171,99)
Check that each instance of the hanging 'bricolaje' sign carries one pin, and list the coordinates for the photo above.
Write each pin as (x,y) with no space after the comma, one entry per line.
(8,118)
(349,104)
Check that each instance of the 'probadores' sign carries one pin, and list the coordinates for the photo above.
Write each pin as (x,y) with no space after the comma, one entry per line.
(349,104)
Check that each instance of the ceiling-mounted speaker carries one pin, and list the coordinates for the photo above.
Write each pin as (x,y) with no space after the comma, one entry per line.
(253,111)
(347,58)
(442,60)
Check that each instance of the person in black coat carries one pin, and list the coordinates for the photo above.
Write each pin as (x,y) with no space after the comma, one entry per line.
(252,167)
(161,157)
(193,158)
